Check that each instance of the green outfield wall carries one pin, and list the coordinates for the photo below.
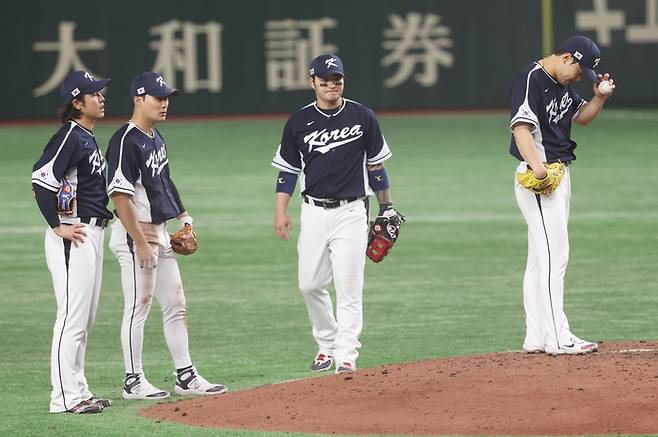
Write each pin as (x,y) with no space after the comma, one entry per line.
(252,56)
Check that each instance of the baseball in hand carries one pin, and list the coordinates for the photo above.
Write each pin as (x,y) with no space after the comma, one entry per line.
(606,87)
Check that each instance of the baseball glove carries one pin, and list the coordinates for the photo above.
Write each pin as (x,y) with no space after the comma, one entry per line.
(384,232)
(555,172)
(184,241)
(65,198)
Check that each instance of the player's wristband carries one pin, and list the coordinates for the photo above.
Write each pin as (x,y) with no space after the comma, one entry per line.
(185,220)
(384,208)
(378,179)
(285,182)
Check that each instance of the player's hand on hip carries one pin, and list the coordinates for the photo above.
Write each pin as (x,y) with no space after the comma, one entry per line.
(146,256)
(74,233)
(282,225)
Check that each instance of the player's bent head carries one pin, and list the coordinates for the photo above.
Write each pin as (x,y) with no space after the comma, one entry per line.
(584,52)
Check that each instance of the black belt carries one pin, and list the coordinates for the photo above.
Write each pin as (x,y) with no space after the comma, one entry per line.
(566,164)
(95,221)
(329,203)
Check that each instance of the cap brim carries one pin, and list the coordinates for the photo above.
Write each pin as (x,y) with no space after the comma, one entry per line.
(96,86)
(329,74)
(590,74)
(165,92)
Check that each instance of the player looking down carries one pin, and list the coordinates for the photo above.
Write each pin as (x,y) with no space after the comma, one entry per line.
(543,106)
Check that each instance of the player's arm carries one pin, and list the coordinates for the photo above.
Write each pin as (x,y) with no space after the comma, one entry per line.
(60,155)
(526,145)
(378,180)
(288,161)
(590,110)
(285,186)
(126,212)
(184,217)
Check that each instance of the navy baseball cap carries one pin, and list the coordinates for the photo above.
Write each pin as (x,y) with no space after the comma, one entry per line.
(586,52)
(80,82)
(153,84)
(325,65)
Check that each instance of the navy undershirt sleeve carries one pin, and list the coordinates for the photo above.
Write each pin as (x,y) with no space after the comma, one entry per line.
(47,205)
(174,191)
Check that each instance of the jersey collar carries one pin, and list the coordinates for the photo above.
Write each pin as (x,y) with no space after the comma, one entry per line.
(151,135)
(547,73)
(81,127)
(315,105)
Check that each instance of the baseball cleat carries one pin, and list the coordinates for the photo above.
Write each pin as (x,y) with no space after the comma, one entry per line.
(322,362)
(137,387)
(85,407)
(576,346)
(189,382)
(346,367)
(530,349)
(102,402)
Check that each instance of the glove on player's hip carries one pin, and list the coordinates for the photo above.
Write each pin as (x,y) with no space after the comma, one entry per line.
(555,172)
(65,198)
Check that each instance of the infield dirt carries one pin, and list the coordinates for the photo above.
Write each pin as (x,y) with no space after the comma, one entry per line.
(613,391)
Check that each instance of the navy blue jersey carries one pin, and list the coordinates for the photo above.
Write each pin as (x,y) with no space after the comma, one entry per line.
(331,150)
(138,166)
(549,107)
(73,153)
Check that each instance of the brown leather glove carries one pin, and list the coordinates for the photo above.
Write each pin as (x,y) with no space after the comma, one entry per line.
(184,241)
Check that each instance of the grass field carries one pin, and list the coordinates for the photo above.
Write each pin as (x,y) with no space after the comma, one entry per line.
(451,286)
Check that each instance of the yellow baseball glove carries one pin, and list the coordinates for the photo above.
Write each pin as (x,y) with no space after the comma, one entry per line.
(542,186)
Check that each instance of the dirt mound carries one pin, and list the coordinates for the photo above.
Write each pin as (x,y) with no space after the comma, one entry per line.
(613,391)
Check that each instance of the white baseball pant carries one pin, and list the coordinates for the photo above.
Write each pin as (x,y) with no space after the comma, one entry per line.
(332,245)
(547,218)
(140,285)
(76,272)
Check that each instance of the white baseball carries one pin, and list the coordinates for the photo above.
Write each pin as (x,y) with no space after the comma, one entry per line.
(606,87)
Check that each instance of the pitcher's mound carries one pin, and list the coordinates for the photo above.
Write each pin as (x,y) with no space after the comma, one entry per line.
(613,391)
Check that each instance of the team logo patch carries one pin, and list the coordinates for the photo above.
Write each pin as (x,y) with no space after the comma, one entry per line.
(311,72)
(282,181)
(140,91)
(75,92)
(577,55)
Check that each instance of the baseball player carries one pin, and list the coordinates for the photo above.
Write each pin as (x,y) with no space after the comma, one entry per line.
(335,144)
(69,186)
(543,108)
(145,197)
